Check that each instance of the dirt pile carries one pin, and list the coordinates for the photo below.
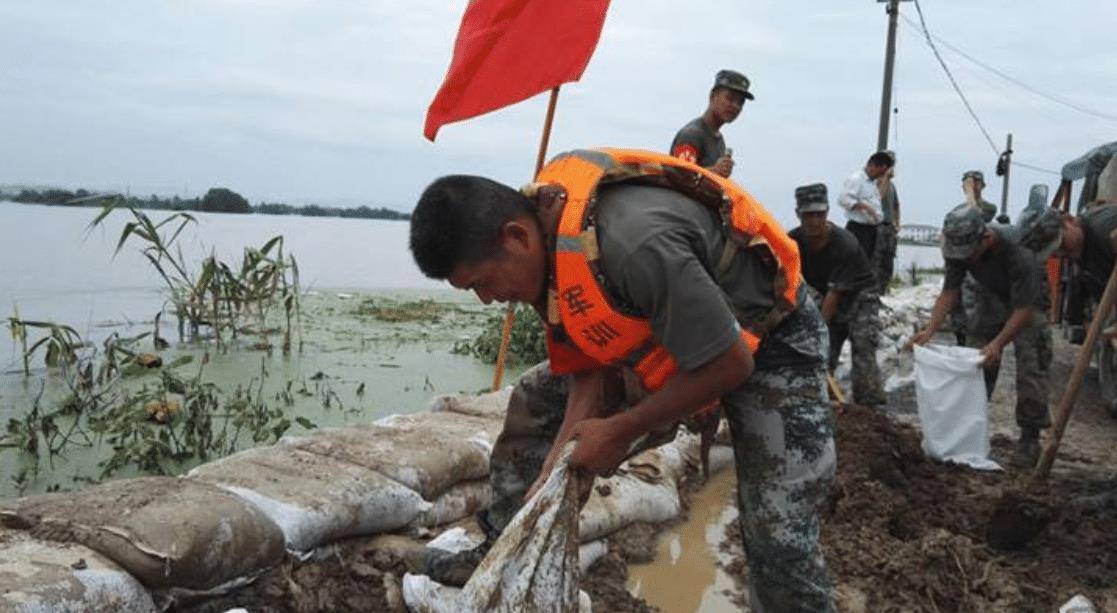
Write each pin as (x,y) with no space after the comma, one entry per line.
(911,534)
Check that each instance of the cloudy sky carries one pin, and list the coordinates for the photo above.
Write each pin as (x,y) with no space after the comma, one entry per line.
(323,100)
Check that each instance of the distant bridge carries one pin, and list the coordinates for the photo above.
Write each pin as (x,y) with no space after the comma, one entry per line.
(919,234)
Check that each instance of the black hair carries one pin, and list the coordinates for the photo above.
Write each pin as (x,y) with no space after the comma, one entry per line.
(458,219)
(882,158)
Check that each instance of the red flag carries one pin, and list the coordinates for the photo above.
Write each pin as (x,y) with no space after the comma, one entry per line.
(509,50)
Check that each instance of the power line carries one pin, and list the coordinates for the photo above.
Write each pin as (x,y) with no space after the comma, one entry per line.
(1018,82)
(954,83)
(961,95)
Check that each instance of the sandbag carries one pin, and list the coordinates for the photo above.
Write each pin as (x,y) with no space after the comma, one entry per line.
(644,489)
(44,576)
(532,566)
(462,499)
(314,498)
(950,395)
(427,452)
(165,531)
(493,405)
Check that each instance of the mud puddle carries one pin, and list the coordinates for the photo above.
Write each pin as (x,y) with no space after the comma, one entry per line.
(686,574)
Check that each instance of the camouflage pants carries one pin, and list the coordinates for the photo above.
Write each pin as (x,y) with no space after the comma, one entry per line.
(884,257)
(1032,348)
(784,448)
(863,329)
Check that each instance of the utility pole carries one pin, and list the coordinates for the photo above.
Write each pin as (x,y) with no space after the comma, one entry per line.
(1004,166)
(889,62)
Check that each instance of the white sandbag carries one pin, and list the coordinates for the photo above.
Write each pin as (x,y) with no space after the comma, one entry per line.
(313,498)
(427,452)
(950,395)
(46,576)
(591,552)
(644,489)
(492,405)
(1080,603)
(167,532)
(532,566)
(462,499)
(422,589)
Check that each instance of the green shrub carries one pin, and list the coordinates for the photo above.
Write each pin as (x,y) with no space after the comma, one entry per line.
(527,344)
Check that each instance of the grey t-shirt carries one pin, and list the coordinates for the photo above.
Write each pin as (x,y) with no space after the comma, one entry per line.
(697,143)
(1008,271)
(658,252)
(840,265)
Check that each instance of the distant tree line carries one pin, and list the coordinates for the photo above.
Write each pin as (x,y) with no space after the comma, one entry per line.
(216,200)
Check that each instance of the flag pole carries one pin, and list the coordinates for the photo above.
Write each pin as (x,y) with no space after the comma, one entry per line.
(510,313)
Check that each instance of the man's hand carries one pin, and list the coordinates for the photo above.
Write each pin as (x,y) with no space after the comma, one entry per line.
(920,338)
(724,166)
(991,354)
(601,446)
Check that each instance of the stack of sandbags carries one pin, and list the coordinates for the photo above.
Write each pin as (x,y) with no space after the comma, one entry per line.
(422,469)
(167,532)
(902,312)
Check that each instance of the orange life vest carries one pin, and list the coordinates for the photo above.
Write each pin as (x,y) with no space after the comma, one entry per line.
(585,329)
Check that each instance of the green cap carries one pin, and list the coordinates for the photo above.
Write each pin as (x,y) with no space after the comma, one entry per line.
(731,79)
(1041,230)
(811,198)
(974,174)
(961,232)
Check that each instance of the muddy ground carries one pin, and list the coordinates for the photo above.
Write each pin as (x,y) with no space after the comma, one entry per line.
(903,533)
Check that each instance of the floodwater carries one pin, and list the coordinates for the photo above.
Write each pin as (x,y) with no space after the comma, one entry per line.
(354,367)
(686,575)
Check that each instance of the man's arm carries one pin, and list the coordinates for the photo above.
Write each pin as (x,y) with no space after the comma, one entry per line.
(852,200)
(604,443)
(830,304)
(584,401)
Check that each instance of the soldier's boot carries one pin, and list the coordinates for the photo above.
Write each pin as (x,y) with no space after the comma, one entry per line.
(1027,448)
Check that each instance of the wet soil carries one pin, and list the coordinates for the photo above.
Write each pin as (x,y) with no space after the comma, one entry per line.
(906,533)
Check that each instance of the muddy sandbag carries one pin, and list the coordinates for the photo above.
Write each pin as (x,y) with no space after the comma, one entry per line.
(427,452)
(493,405)
(533,566)
(644,489)
(45,576)
(314,498)
(462,499)
(167,532)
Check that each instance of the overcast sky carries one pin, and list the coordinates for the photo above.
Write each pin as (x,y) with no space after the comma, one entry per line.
(323,101)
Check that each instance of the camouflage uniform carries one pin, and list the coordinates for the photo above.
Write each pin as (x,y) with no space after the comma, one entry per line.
(1011,278)
(965,310)
(863,329)
(784,447)
(840,266)
(1032,348)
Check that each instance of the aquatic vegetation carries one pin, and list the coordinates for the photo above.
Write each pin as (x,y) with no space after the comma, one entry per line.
(59,344)
(527,344)
(214,294)
(426,311)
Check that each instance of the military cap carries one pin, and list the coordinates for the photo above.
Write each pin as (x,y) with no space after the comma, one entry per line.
(731,79)
(1041,230)
(811,198)
(961,232)
(977,175)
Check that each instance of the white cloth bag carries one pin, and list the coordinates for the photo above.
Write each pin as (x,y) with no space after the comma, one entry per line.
(950,394)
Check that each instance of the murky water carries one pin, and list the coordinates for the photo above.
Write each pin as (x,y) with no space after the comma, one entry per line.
(685,575)
(353,367)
